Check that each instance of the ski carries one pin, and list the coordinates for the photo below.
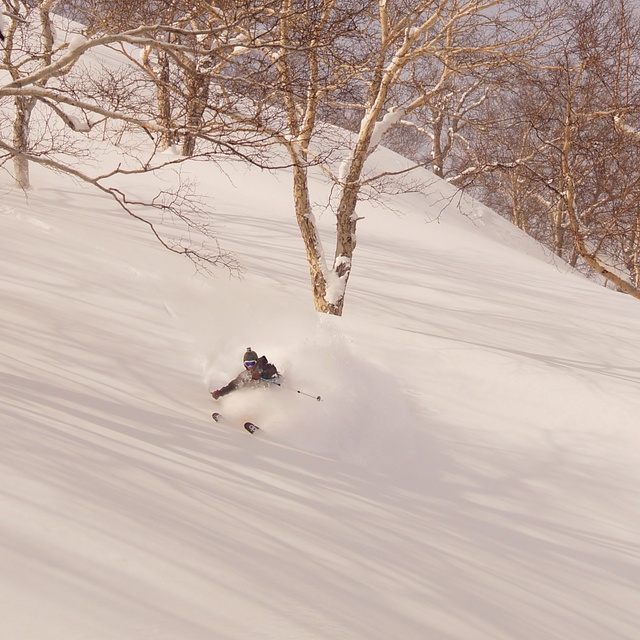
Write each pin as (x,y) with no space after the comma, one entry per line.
(249,426)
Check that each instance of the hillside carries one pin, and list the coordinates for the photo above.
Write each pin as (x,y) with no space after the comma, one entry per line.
(471,473)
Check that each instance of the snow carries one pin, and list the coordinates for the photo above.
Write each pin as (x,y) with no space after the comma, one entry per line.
(390,118)
(78,123)
(471,472)
(76,41)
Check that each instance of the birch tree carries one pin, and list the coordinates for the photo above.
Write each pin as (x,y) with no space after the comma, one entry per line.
(22,54)
(599,171)
(567,167)
(44,75)
(357,56)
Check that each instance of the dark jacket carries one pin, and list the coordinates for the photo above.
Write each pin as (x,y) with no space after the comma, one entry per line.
(264,370)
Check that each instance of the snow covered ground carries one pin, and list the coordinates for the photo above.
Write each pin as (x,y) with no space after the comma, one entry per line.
(472,472)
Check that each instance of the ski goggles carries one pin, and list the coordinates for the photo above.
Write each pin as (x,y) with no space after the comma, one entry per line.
(249,364)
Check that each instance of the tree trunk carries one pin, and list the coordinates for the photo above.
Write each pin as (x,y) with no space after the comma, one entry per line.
(346,215)
(24,107)
(437,154)
(558,229)
(197,97)
(309,232)
(164,101)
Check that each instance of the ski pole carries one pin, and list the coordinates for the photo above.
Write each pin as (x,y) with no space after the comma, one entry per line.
(302,393)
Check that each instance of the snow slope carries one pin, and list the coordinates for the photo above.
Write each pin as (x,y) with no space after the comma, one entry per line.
(470,474)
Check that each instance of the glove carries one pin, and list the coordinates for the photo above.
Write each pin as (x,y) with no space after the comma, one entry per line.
(215,394)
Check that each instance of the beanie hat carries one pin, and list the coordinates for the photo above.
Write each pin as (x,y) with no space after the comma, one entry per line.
(249,355)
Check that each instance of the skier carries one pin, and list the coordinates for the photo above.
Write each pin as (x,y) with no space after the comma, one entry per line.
(256,371)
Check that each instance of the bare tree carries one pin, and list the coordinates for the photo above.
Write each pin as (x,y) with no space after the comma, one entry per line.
(22,54)
(356,56)
(568,170)
(435,133)
(45,76)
